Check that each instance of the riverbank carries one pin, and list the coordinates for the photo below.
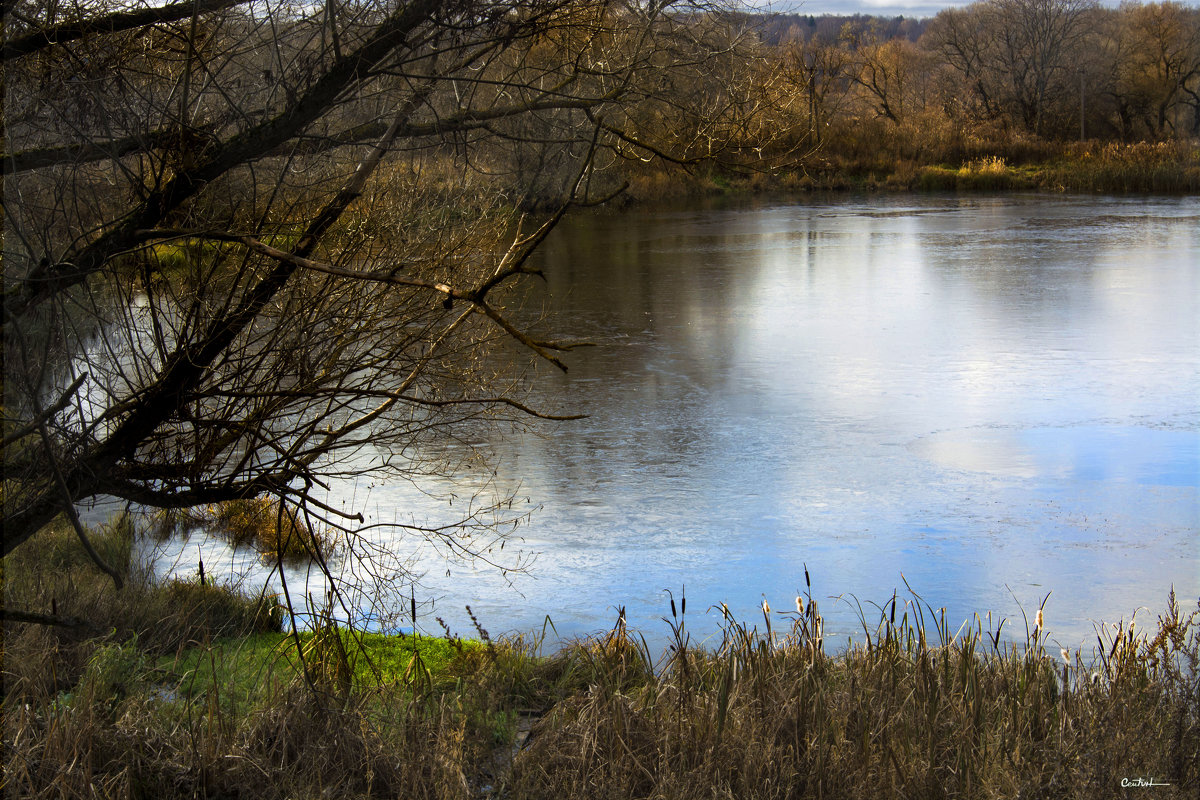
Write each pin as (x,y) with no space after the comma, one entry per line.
(1077,168)
(194,690)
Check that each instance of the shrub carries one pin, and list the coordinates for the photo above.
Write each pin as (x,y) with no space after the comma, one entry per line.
(258,522)
(207,610)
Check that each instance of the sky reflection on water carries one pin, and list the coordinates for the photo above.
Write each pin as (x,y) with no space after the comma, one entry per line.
(990,399)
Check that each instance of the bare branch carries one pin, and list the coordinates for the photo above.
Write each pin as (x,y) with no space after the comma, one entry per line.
(49,280)
(83,153)
(187,365)
(41,418)
(110,23)
(33,618)
(508,401)
(68,504)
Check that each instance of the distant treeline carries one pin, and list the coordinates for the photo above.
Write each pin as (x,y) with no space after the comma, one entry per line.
(994,73)
(780,28)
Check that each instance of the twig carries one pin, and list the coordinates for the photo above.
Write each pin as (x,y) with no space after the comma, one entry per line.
(72,514)
(41,418)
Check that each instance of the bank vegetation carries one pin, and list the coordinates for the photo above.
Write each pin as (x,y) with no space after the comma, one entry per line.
(1047,95)
(189,689)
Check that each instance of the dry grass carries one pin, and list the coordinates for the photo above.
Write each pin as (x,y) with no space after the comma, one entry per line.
(54,576)
(916,709)
(1165,167)
(261,522)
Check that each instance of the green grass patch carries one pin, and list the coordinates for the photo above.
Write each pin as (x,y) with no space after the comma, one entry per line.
(248,670)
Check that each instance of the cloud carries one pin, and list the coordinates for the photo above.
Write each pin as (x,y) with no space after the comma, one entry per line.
(885,8)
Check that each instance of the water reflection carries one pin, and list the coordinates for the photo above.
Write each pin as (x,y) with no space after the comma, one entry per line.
(988,398)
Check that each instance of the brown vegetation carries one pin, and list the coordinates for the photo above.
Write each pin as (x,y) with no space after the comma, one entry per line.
(914,709)
(1067,94)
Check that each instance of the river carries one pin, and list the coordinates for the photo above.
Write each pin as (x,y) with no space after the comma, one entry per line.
(986,400)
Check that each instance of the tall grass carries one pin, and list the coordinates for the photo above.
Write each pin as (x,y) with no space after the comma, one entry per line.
(916,708)
(54,576)
(1165,167)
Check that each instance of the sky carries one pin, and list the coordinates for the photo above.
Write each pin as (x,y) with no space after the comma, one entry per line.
(886,8)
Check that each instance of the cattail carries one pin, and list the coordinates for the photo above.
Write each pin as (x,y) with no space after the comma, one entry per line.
(1066,656)
(766,606)
(724,611)
(799,604)
(1037,621)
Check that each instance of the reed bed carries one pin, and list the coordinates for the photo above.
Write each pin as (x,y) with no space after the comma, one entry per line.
(915,708)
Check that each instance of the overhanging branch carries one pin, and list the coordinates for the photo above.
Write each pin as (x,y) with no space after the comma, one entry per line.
(109,23)
(48,280)
(33,618)
(474,296)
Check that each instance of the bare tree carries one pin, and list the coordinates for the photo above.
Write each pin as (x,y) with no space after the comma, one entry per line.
(1037,40)
(254,245)
(960,39)
(1158,66)
(889,72)
(1017,56)
(821,71)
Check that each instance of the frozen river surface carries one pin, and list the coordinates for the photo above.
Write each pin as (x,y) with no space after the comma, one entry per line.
(989,398)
